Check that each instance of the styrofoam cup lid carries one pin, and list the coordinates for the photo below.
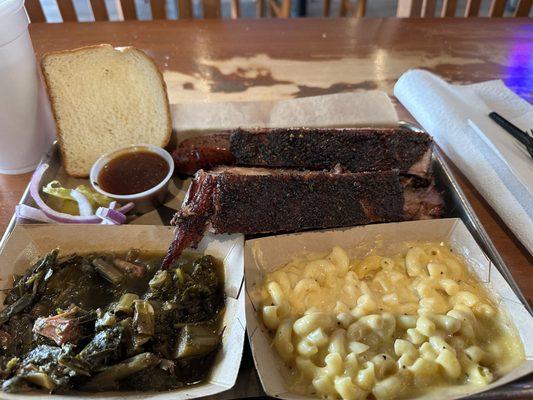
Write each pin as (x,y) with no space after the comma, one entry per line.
(13,20)
(9,6)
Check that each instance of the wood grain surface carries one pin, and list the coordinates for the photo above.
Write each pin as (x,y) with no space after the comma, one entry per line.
(11,189)
(270,59)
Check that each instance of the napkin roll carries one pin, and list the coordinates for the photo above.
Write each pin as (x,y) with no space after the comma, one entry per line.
(444,110)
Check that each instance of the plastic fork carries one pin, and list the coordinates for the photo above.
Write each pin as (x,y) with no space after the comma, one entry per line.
(516,132)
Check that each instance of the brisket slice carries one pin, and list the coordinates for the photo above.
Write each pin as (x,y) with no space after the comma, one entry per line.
(354,149)
(258,200)
(421,202)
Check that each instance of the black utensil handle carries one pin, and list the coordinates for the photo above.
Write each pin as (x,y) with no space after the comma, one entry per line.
(517,133)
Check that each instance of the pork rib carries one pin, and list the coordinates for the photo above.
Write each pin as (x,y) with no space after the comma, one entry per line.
(192,218)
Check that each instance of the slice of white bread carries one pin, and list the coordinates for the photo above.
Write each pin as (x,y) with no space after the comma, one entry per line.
(103,99)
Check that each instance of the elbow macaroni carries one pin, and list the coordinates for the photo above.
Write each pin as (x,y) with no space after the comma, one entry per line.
(385,327)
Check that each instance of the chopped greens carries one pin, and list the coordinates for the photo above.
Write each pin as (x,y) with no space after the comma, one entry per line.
(110,322)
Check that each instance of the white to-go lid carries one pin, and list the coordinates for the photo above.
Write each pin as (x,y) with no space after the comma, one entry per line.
(13,20)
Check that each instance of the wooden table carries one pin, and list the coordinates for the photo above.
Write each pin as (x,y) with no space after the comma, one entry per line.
(272,59)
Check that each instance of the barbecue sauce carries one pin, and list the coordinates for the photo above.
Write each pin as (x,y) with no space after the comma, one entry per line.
(133,173)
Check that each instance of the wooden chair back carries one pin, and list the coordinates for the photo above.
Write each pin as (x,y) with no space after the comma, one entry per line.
(427,8)
(275,8)
(279,8)
(356,10)
(210,8)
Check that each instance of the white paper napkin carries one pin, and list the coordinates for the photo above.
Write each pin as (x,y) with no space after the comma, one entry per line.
(496,164)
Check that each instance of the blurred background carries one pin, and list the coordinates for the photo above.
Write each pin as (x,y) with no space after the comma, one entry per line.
(299,8)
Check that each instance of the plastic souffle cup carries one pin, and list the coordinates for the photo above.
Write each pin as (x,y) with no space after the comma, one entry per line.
(26,124)
(144,201)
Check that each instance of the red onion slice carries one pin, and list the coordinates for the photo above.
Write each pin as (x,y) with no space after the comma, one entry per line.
(84,206)
(111,216)
(30,213)
(35,185)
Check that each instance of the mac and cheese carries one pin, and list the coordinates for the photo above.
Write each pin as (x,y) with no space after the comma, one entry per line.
(386,327)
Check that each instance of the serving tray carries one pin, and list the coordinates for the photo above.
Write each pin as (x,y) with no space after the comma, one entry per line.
(248,384)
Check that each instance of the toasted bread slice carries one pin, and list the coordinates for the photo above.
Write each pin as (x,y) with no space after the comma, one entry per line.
(103,99)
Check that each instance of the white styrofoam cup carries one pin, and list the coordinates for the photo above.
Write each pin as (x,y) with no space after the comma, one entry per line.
(26,124)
